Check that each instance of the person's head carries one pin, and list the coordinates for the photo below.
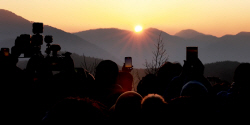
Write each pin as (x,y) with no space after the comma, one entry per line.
(153,105)
(68,63)
(76,111)
(129,101)
(194,68)
(153,102)
(242,74)
(148,84)
(107,72)
(168,71)
(194,89)
(154,108)
(127,107)
(125,79)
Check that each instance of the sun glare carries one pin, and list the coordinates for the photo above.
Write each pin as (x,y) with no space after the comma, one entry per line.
(138,28)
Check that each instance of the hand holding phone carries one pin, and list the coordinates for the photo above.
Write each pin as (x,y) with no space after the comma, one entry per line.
(127,67)
(128,62)
(193,65)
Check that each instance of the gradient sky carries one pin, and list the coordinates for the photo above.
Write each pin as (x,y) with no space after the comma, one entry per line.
(215,17)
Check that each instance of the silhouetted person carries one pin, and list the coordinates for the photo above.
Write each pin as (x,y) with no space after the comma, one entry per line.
(86,80)
(125,79)
(166,73)
(127,108)
(105,88)
(193,102)
(148,85)
(75,111)
(194,89)
(126,69)
(241,78)
(154,109)
(16,92)
(38,70)
(106,72)
(191,71)
(237,97)
(61,85)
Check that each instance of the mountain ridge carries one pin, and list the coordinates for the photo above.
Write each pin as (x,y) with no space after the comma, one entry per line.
(115,44)
(211,48)
(12,27)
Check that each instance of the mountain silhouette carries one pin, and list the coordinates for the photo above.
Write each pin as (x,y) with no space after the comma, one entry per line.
(243,34)
(195,35)
(141,45)
(188,34)
(115,44)
(127,43)
(12,25)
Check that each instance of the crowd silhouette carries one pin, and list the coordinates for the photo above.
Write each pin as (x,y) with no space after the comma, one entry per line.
(37,96)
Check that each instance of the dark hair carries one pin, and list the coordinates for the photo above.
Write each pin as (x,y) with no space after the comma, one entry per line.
(154,108)
(127,108)
(168,71)
(242,73)
(127,101)
(194,88)
(148,85)
(152,102)
(107,72)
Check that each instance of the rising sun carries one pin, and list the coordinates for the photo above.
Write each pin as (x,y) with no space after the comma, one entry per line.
(138,28)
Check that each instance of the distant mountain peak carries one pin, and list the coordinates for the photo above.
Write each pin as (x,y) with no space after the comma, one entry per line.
(188,34)
(243,34)
(153,29)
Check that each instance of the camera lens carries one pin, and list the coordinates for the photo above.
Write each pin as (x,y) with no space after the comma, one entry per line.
(55,47)
(23,40)
(37,40)
(48,39)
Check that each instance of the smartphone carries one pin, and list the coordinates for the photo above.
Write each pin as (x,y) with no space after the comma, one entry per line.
(128,62)
(5,51)
(191,53)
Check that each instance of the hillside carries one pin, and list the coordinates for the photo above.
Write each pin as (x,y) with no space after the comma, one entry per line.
(140,45)
(188,34)
(127,43)
(224,70)
(115,44)
(13,25)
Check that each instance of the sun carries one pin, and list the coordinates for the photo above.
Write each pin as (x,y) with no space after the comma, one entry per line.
(138,28)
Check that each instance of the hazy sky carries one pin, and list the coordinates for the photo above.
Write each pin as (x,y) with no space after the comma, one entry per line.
(215,17)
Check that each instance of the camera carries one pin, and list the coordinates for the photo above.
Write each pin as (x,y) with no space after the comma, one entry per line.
(30,47)
(55,61)
(27,44)
(48,39)
(37,28)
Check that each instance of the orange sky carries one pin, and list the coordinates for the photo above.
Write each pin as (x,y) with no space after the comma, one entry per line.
(215,17)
